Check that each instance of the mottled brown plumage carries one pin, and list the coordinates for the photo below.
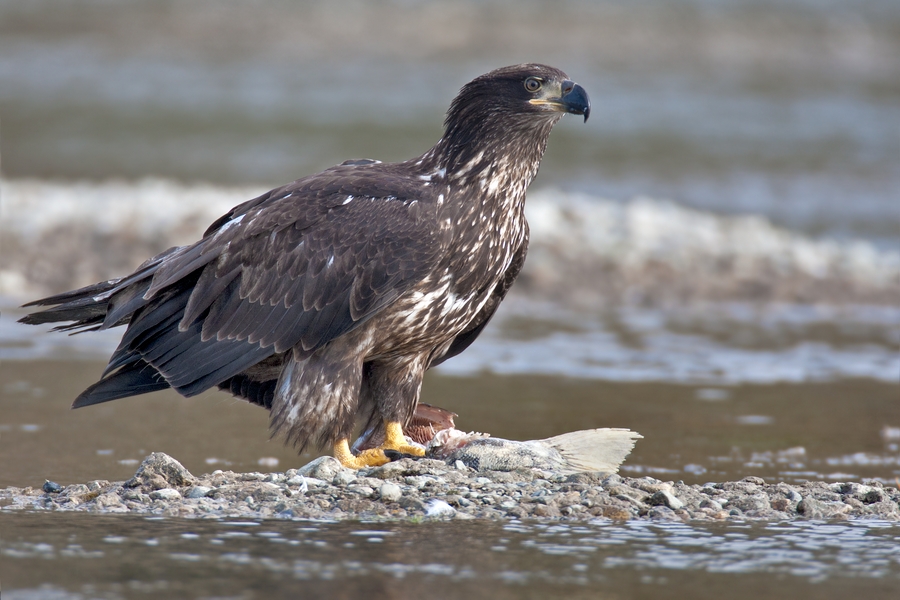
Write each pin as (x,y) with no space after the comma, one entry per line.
(327,299)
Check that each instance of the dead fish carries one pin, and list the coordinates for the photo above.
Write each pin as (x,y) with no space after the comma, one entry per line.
(600,450)
(434,428)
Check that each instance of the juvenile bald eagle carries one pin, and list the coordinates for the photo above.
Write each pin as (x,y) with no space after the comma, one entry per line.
(327,299)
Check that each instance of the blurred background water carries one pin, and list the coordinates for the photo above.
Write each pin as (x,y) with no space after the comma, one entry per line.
(715,259)
(789,109)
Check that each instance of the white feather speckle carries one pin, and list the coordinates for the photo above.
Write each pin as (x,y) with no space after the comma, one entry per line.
(228,225)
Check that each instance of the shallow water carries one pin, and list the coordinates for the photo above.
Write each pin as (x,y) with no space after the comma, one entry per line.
(73,556)
(801,406)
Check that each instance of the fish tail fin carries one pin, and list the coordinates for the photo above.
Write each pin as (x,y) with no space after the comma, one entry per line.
(600,450)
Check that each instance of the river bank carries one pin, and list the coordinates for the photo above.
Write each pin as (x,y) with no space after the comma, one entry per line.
(412,490)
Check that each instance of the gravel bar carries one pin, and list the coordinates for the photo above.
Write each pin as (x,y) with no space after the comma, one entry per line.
(432,489)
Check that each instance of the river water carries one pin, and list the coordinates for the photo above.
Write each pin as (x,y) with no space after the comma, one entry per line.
(94,556)
(737,185)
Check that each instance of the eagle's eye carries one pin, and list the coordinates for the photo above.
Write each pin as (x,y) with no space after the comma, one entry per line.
(532,84)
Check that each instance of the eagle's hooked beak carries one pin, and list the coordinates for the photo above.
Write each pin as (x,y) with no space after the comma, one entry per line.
(572,99)
(575,99)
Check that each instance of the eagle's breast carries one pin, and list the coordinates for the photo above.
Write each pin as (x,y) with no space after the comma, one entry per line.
(481,214)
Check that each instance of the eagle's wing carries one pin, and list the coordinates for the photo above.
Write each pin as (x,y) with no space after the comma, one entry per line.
(290,270)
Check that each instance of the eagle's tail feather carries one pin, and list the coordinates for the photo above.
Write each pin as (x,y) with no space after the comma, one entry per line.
(87,308)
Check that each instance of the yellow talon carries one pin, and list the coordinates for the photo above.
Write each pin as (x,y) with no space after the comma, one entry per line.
(367,458)
(394,440)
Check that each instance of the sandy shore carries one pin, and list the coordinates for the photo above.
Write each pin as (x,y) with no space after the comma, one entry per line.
(425,488)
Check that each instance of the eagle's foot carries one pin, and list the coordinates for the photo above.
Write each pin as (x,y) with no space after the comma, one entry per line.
(395,440)
(373,457)
(395,447)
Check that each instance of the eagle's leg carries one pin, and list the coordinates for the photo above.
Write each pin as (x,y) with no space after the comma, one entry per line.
(373,457)
(396,440)
(367,458)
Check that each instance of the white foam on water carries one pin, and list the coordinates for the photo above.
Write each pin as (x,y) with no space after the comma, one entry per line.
(565,227)
(642,231)
(149,207)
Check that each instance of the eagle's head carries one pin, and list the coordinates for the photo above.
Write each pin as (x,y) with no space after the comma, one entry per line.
(510,111)
(519,91)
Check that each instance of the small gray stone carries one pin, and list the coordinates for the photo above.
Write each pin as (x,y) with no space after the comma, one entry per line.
(885,509)
(817,509)
(664,498)
(51,487)
(362,490)
(390,492)
(394,470)
(110,500)
(97,485)
(753,502)
(662,513)
(165,494)
(160,471)
(324,467)
(411,504)
(419,481)
(629,500)
(198,491)
(343,477)
(710,504)
(624,490)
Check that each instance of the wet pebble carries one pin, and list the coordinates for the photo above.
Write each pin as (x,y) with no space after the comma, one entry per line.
(343,477)
(165,494)
(51,487)
(198,491)
(665,498)
(390,492)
